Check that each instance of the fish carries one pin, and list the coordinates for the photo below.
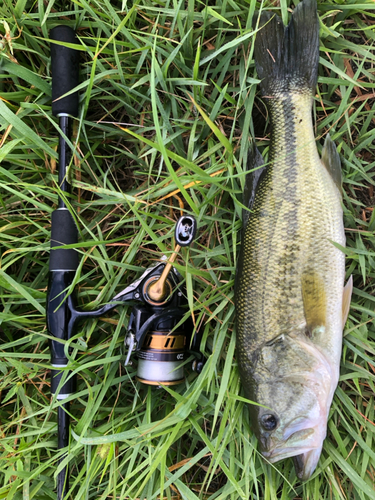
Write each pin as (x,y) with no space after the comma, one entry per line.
(290,299)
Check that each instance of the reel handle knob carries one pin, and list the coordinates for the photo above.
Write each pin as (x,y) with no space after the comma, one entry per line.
(186,229)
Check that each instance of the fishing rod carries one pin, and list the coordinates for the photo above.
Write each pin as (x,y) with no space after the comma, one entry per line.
(159,334)
(63,262)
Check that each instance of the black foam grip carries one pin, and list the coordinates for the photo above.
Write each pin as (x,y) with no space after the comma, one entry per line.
(65,71)
(68,387)
(63,232)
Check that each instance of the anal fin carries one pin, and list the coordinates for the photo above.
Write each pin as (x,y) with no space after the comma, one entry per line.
(332,162)
(346,299)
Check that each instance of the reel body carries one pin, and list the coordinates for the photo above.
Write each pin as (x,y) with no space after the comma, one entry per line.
(159,336)
(157,332)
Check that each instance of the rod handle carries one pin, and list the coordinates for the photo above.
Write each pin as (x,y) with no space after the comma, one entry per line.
(67,388)
(65,71)
(63,232)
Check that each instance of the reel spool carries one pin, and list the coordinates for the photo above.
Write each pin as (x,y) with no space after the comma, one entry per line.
(166,352)
(163,351)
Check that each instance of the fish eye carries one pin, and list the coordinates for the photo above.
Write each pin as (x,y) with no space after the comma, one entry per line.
(269,422)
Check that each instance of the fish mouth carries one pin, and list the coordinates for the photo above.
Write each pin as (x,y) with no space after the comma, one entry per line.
(302,445)
(306,463)
(305,458)
(277,455)
(295,443)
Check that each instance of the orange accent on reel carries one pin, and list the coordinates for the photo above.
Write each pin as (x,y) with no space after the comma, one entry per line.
(156,340)
(152,382)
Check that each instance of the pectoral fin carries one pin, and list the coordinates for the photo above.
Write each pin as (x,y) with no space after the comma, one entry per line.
(346,298)
(314,301)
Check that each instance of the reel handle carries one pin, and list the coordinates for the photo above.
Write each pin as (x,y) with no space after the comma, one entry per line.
(185,231)
(65,72)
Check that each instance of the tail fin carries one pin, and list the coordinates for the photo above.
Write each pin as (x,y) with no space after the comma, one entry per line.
(287,57)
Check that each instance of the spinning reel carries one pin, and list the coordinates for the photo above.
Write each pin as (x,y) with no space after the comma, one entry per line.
(157,332)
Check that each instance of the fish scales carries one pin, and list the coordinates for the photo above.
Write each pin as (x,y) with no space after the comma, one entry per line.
(290,276)
(293,221)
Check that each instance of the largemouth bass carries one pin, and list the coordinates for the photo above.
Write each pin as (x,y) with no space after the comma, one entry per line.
(291,304)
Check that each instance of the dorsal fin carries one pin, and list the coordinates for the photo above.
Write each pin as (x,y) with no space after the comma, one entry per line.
(255,167)
(346,298)
(331,160)
(314,301)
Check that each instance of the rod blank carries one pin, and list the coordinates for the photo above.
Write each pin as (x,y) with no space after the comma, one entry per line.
(63,441)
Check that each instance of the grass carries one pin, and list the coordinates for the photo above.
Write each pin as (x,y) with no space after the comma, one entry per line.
(169,102)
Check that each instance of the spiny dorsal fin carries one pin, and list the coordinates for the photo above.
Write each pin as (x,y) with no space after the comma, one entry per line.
(314,301)
(255,167)
(346,298)
(331,160)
